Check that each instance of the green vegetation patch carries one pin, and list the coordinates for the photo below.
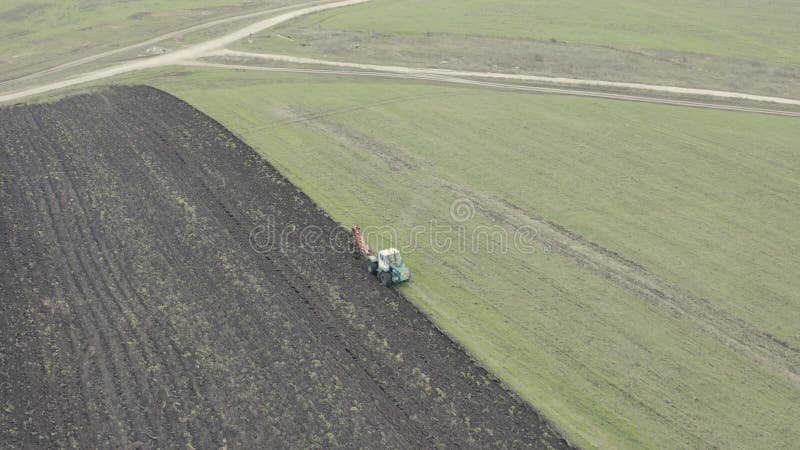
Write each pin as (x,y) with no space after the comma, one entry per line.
(736,46)
(757,30)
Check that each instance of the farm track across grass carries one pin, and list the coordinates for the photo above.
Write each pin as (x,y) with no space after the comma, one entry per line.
(139,311)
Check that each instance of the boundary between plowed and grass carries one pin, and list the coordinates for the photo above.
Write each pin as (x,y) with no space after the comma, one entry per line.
(454,343)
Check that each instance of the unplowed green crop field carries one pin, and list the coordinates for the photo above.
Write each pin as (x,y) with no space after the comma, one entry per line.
(760,30)
(740,46)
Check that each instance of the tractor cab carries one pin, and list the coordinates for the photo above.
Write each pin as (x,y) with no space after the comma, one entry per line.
(388,258)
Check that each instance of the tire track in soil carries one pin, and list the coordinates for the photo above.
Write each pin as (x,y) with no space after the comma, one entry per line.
(185,368)
(104,345)
(143,317)
(166,241)
(194,429)
(157,137)
(104,286)
(28,242)
(123,295)
(86,239)
(255,350)
(36,197)
(16,376)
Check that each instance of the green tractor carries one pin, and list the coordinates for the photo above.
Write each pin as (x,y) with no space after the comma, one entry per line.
(387,265)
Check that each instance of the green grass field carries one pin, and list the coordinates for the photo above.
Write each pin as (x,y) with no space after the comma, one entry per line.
(702,198)
(741,46)
(759,31)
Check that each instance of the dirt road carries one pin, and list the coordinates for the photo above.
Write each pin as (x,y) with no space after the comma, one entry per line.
(155,40)
(215,47)
(145,306)
(507,86)
(507,76)
(169,59)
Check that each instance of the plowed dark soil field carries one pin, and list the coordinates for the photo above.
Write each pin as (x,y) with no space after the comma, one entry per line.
(137,311)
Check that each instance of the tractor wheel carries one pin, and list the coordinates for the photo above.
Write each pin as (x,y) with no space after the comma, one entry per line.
(386,279)
(372,267)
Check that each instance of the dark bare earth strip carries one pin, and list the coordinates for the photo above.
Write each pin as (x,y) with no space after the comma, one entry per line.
(135,313)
